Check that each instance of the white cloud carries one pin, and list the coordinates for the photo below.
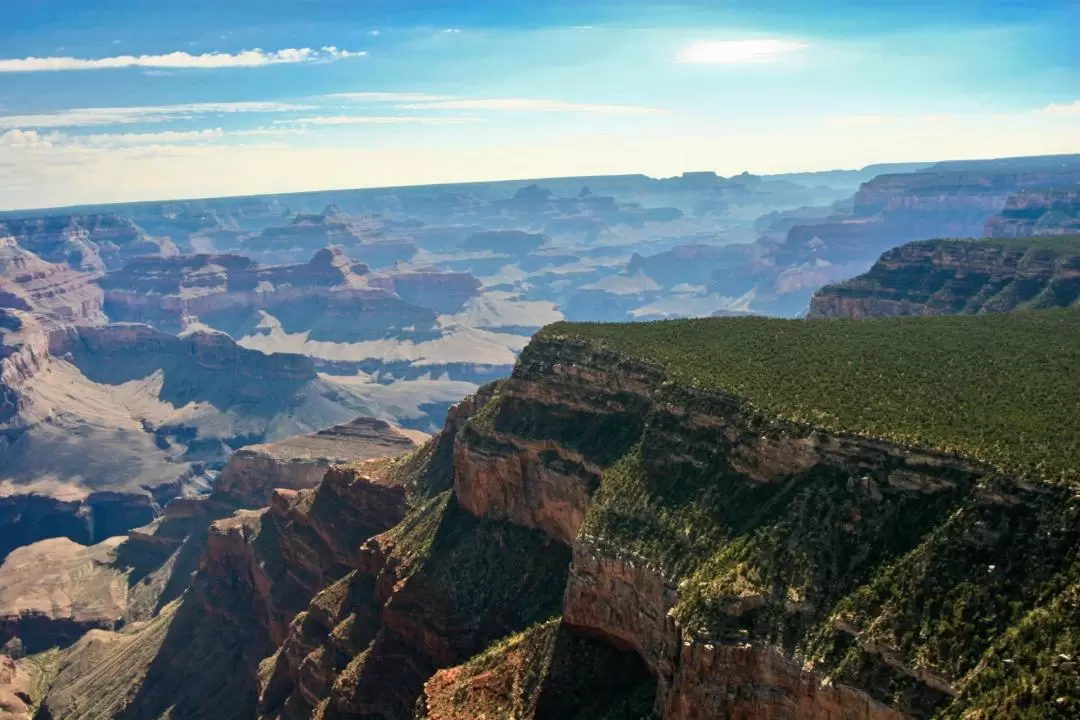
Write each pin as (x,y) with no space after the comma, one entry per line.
(866,121)
(385,96)
(451,31)
(532,105)
(155,138)
(23,139)
(178,60)
(128,115)
(32,138)
(1072,108)
(379,120)
(729,52)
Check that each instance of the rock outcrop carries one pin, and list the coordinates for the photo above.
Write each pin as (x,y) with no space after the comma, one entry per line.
(299,463)
(890,210)
(945,277)
(53,291)
(362,237)
(101,426)
(1046,212)
(330,298)
(55,590)
(92,243)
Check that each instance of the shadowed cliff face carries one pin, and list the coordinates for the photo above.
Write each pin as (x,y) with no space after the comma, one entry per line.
(1035,212)
(945,277)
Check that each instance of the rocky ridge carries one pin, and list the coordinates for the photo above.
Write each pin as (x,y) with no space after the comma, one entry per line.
(92,243)
(944,277)
(53,291)
(331,297)
(101,426)
(1046,212)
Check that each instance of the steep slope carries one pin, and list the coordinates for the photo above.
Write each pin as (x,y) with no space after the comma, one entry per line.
(300,462)
(51,290)
(1046,212)
(943,201)
(99,427)
(94,242)
(670,517)
(53,591)
(944,277)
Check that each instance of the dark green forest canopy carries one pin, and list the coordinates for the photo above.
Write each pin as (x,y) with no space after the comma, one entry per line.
(1000,388)
(1065,244)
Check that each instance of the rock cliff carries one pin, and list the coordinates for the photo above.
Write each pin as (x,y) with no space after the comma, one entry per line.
(1046,212)
(331,298)
(101,426)
(53,291)
(944,277)
(85,242)
(793,259)
(603,535)
(299,463)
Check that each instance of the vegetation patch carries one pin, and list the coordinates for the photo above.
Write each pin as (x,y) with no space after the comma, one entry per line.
(999,388)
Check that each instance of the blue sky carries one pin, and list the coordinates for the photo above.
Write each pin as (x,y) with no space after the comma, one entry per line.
(117,100)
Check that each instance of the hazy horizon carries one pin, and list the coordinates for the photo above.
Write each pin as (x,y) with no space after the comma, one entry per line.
(120,103)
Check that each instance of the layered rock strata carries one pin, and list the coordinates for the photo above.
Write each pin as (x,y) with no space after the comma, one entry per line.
(945,277)
(51,290)
(1034,212)
(330,298)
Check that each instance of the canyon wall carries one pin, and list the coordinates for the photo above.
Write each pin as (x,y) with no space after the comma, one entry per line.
(944,277)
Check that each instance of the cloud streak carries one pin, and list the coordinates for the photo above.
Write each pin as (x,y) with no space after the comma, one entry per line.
(180,60)
(380,97)
(378,120)
(146,114)
(735,52)
(532,105)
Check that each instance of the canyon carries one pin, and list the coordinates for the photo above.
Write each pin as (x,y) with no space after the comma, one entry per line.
(595,537)
(210,414)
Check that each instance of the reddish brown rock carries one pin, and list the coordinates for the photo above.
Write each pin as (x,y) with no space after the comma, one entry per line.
(300,462)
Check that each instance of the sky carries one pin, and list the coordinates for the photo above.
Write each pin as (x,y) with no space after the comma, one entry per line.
(121,100)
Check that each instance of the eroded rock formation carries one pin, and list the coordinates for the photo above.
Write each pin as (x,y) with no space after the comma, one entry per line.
(330,298)
(1037,212)
(945,277)
(53,291)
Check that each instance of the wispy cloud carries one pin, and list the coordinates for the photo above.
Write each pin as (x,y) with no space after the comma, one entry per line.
(155,138)
(377,97)
(532,105)
(1072,108)
(379,120)
(860,121)
(32,138)
(731,52)
(180,60)
(128,115)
